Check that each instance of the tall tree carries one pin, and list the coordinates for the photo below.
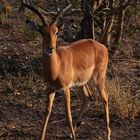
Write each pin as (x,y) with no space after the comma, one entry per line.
(87,22)
(89,8)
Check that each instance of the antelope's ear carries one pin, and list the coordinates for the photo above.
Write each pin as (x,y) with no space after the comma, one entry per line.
(31,25)
(65,25)
(61,25)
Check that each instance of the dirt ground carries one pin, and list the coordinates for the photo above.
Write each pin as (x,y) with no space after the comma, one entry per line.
(23,96)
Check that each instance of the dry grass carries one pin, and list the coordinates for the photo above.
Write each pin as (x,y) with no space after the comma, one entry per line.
(122,104)
(5,10)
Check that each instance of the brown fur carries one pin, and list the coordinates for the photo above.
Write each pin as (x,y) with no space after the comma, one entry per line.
(73,65)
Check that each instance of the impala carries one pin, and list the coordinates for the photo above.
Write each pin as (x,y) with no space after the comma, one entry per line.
(69,66)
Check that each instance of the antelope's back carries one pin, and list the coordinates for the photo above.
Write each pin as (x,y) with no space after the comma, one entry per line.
(88,53)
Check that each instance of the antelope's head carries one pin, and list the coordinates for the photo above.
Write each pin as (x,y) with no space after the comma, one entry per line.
(49,37)
(48,31)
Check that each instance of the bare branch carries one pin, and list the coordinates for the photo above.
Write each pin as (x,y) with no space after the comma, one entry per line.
(60,14)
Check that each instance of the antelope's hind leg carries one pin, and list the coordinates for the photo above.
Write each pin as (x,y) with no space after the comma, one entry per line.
(50,100)
(85,97)
(101,88)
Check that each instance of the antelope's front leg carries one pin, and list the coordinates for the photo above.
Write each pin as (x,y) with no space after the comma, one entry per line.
(50,100)
(68,112)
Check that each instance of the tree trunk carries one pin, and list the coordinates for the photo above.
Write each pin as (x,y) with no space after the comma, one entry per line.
(109,21)
(106,37)
(87,22)
(119,31)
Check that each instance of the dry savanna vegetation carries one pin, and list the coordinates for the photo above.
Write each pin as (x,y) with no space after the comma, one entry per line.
(23,92)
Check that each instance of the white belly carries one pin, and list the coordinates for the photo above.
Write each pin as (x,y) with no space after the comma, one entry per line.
(77,84)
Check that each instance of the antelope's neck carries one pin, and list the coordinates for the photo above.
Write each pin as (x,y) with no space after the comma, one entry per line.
(50,66)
